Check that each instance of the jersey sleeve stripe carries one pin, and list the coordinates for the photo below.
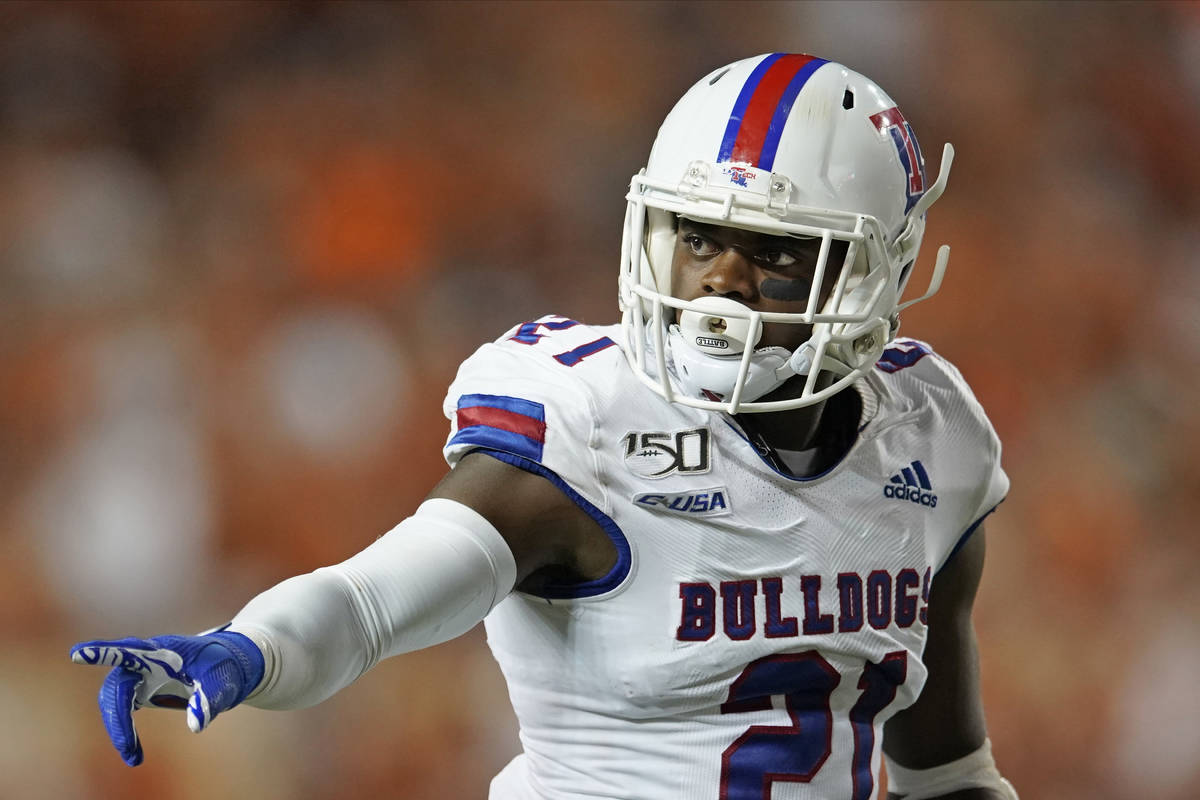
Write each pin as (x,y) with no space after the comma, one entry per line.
(504,423)
(902,355)
(516,405)
(530,428)
(495,439)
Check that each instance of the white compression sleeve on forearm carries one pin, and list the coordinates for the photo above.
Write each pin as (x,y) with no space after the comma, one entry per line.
(431,578)
(975,770)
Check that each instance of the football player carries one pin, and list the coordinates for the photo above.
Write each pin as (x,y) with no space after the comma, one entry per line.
(725,549)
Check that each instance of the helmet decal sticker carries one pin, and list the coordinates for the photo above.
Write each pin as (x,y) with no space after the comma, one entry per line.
(762,108)
(739,175)
(892,123)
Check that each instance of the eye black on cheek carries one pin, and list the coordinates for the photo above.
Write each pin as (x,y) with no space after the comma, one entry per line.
(785,290)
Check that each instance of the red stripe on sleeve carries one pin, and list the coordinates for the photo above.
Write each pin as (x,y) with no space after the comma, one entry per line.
(756,119)
(502,420)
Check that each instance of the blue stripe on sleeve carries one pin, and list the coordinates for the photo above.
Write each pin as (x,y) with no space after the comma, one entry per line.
(496,439)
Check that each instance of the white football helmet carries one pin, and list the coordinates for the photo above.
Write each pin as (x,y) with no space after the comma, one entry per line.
(785,145)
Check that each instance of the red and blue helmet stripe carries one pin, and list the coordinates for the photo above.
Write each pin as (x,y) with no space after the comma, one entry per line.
(762,108)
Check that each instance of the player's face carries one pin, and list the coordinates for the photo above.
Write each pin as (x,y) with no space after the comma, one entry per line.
(763,272)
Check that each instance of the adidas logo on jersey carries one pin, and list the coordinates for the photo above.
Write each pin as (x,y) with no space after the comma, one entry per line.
(912,484)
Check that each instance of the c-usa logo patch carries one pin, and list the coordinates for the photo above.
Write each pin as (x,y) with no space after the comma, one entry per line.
(657,454)
(712,502)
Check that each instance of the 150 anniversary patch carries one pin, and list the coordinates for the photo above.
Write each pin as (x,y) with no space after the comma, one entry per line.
(657,454)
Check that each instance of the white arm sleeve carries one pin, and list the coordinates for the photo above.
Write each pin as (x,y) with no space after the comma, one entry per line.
(431,578)
(975,770)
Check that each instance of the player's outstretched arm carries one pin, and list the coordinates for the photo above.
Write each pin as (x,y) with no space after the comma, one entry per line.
(938,746)
(433,577)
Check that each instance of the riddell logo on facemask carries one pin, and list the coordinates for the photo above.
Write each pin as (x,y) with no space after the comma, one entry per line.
(912,484)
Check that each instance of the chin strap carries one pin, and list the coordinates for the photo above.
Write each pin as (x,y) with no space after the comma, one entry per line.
(802,360)
(703,375)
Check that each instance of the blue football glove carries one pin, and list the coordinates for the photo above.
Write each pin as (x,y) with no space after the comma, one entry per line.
(207,674)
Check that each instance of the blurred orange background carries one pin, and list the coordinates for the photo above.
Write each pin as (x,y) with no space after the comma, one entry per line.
(243,248)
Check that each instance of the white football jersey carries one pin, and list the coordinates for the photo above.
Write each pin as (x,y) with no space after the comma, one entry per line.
(757,629)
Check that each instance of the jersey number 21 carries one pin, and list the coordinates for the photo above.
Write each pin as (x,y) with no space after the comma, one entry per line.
(766,754)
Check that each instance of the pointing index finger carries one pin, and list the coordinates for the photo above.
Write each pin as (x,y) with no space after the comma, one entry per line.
(110,652)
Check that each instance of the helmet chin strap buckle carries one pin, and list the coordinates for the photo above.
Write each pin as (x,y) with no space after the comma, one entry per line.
(802,360)
(865,343)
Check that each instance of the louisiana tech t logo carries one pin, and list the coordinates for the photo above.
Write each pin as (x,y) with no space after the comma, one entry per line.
(912,483)
(891,123)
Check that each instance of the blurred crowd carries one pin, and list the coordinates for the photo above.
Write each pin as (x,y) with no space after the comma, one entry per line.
(244,246)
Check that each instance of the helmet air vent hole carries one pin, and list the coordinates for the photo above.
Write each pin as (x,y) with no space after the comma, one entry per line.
(718,76)
(848,100)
